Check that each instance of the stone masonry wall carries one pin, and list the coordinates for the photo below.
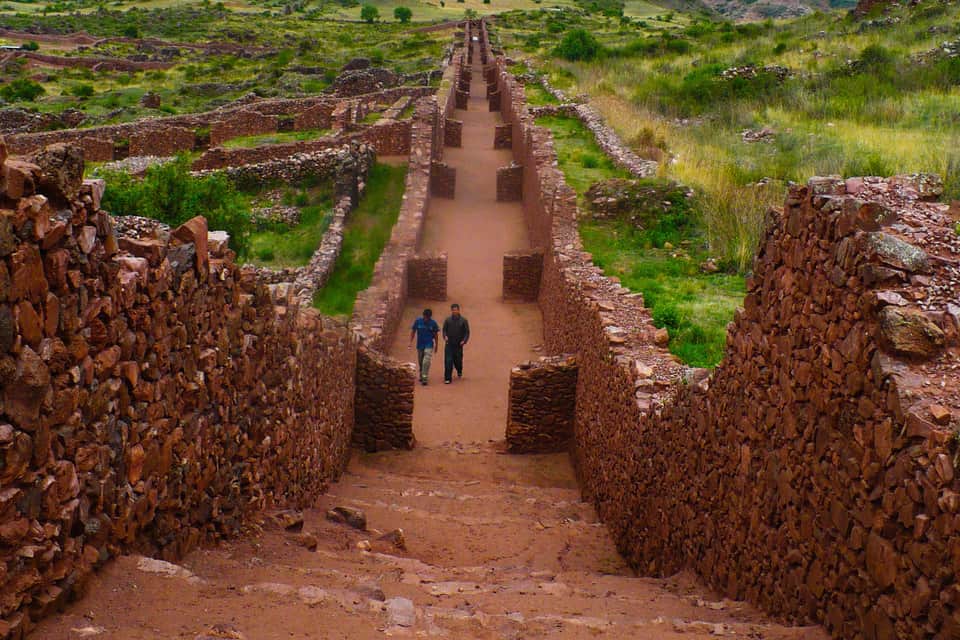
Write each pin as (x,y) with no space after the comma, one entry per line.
(168,141)
(510,183)
(242,123)
(541,405)
(427,275)
(522,271)
(384,403)
(813,472)
(152,397)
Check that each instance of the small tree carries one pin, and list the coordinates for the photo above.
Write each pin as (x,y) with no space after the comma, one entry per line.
(403,14)
(578,44)
(369,13)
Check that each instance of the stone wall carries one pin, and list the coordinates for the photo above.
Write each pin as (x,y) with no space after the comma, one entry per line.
(541,405)
(243,123)
(307,113)
(453,134)
(384,402)
(153,396)
(510,183)
(427,276)
(390,138)
(522,271)
(443,180)
(812,473)
(168,141)
(380,421)
(503,136)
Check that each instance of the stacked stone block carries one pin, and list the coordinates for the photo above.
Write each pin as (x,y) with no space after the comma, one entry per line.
(541,405)
(427,275)
(384,402)
(522,271)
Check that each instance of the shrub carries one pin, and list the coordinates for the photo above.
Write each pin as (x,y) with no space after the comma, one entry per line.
(780,48)
(82,90)
(30,46)
(369,13)
(578,44)
(21,89)
(131,31)
(589,161)
(170,193)
(403,14)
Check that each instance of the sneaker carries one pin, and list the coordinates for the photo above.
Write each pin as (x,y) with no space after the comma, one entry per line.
(459,374)
(447,381)
(423,382)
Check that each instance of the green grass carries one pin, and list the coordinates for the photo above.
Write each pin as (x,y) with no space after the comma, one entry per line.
(245,142)
(582,161)
(694,307)
(371,117)
(537,96)
(279,246)
(367,233)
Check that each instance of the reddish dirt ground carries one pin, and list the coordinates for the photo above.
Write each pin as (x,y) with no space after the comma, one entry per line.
(496,546)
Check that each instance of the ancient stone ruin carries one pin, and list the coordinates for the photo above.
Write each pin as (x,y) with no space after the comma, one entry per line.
(157,396)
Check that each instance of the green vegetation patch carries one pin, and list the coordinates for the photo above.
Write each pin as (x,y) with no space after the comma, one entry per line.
(693,306)
(279,245)
(582,161)
(245,142)
(367,233)
(171,194)
(537,96)
(655,249)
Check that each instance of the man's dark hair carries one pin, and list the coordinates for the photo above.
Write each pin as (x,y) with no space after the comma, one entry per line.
(455,306)
(428,313)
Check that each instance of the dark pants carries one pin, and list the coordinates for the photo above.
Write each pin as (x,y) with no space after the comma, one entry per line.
(452,357)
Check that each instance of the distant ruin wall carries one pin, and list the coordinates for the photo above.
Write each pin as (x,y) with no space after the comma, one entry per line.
(237,119)
(813,472)
(153,396)
(168,141)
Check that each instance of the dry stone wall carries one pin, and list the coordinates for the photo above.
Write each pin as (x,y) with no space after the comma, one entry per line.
(247,116)
(152,396)
(384,386)
(813,472)
(541,405)
(522,271)
(427,275)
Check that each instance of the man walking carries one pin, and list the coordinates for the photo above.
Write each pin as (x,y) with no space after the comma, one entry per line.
(456,333)
(425,329)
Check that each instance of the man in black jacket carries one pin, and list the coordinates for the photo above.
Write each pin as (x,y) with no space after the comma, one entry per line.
(456,333)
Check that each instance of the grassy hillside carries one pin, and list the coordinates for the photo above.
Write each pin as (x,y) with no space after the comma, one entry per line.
(836,95)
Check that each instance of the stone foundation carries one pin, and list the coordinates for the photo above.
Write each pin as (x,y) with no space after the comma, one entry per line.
(510,183)
(521,275)
(541,408)
(427,277)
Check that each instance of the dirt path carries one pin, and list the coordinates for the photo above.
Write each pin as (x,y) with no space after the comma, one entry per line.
(475,230)
(494,546)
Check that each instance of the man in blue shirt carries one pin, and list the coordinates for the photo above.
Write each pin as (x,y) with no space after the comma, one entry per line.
(425,329)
